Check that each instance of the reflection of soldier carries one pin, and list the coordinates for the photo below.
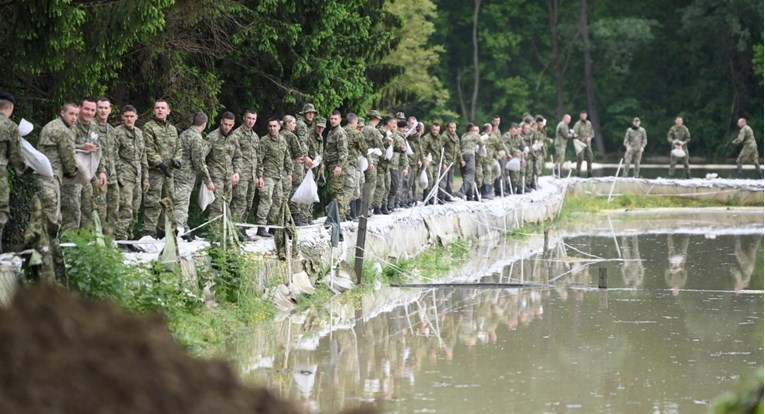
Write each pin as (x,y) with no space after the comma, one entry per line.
(677,254)
(746,257)
(632,268)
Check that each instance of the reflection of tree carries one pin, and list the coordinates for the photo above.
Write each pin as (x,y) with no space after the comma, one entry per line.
(746,258)
(632,267)
(677,254)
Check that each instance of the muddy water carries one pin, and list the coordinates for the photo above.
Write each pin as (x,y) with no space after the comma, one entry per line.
(681,320)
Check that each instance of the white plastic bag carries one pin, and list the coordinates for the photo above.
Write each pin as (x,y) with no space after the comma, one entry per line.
(409,149)
(423,179)
(678,153)
(389,152)
(316,161)
(308,191)
(579,146)
(35,159)
(514,164)
(25,127)
(87,164)
(363,163)
(206,197)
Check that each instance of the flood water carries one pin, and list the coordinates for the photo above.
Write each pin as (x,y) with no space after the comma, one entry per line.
(681,320)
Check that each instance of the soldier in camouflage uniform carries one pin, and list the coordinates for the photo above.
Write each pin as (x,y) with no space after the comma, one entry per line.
(635,140)
(132,171)
(244,192)
(748,150)
(222,163)
(431,146)
(382,189)
(10,155)
(468,143)
(298,150)
(335,158)
(185,178)
(584,132)
(273,163)
(77,199)
(354,180)
(538,150)
(163,152)
(301,165)
(528,135)
(57,143)
(414,162)
(483,174)
(562,136)
(678,137)
(397,164)
(315,147)
(451,142)
(106,201)
(373,138)
(516,147)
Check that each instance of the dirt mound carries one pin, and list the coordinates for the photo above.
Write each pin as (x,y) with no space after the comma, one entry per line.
(63,354)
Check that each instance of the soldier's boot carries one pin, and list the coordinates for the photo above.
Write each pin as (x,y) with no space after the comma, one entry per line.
(760,173)
(487,192)
(384,209)
(360,209)
(687,174)
(738,172)
(262,232)
(352,214)
(377,210)
(243,232)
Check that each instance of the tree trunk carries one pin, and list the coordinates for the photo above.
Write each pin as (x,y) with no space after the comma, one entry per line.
(553,15)
(476,74)
(589,82)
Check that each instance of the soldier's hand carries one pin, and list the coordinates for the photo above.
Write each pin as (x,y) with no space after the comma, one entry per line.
(146,185)
(120,182)
(176,164)
(308,162)
(405,173)
(89,147)
(165,169)
(260,183)
(289,178)
(210,186)
(102,180)
(235,179)
(337,171)
(462,163)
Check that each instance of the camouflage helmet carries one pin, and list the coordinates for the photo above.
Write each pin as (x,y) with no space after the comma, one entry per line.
(320,122)
(374,114)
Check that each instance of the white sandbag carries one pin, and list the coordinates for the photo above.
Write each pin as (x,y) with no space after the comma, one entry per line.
(514,165)
(409,149)
(423,179)
(579,146)
(389,152)
(87,164)
(316,161)
(496,169)
(35,159)
(363,163)
(206,197)
(678,153)
(374,151)
(308,191)
(25,127)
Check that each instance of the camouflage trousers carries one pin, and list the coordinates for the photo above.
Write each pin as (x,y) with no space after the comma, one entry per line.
(584,155)
(242,198)
(673,161)
(153,213)
(106,203)
(370,177)
(76,206)
(298,174)
(47,211)
(130,202)
(748,155)
(382,187)
(270,201)
(183,185)
(223,192)
(336,185)
(395,186)
(468,173)
(354,180)
(5,204)
(632,157)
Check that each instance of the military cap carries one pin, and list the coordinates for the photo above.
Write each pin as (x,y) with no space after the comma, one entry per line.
(400,115)
(320,122)
(401,124)
(5,96)
(515,125)
(361,122)
(374,114)
(636,119)
(308,108)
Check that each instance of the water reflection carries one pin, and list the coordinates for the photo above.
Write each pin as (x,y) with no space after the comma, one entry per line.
(531,349)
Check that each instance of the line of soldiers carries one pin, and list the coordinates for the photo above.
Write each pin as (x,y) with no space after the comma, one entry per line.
(402,162)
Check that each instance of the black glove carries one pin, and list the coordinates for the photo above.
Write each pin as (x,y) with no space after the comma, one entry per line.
(165,169)
(176,164)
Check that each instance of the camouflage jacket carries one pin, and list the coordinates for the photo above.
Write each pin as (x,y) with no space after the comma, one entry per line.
(57,143)
(162,144)
(373,138)
(10,145)
(85,133)
(635,137)
(746,137)
(451,143)
(273,157)
(223,158)
(562,134)
(130,163)
(357,146)
(190,139)
(679,133)
(108,150)
(248,146)
(336,148)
